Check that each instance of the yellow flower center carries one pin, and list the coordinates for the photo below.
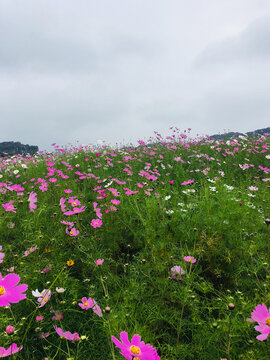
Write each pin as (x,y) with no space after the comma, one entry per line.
(71,233)
(268,321)
(86,304)
(136,358)
(45,300)
(2,290)
(135,349)
(74,203)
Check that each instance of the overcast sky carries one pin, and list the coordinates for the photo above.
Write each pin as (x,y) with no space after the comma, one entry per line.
(116,70)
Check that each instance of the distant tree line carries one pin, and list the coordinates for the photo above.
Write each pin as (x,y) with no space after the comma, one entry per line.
(229,135)
(13,148)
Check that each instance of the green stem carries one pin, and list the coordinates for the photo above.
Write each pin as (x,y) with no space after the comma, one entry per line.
(34,313)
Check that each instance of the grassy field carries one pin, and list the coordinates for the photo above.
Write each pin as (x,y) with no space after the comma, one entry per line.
(169,240)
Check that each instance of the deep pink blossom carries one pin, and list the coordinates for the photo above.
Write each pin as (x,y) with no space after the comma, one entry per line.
(188,182)
(86,303)
(9,206)
(75,210)
(136,348)
(67,335)
(13,349)
(96,223)
(99,261)
(72,232)
(262,315)
(10,292)
(91,304)
(10,329)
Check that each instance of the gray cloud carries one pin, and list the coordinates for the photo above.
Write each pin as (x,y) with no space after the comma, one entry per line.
(251,44)
(120,70)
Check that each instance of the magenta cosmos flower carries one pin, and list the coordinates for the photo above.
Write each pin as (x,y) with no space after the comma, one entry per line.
(9,291)
(262,315)
(75,210)
(91,304)
(67,334)
(190,259)
(13,349)
(86,303)
(136,349)
(96,223)
(97,262)
(9,206)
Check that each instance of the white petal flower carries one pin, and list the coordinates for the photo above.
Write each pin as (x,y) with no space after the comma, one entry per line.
(60,290)
(36,293)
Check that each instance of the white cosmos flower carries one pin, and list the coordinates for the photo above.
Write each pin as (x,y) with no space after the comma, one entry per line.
(36,293)
(60,290)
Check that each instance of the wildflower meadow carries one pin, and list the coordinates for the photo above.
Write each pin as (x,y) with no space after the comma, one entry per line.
(158,250)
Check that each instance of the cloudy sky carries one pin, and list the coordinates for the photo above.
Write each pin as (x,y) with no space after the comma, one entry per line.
(79,71)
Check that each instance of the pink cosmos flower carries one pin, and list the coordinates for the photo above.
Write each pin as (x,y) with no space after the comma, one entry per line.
(130,192)
(136,348)
(39,318)
(68,191)
(32,201)
(188,182)
(96,309)
(9,206)
(72,232)
(253,188)
(190,259)
(177,271)
(44,335)
(262,315)
(62,204)
(57,316)
(2,255)
(9,291)
(32,249)
(115,202)
(75,210)
(91,304)
(99,261)
(44,297)
(74,202)
(96,223)
(67,335)
(13,349)
(86,303)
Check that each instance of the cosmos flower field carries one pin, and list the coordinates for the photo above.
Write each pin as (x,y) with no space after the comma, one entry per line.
(154,251)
